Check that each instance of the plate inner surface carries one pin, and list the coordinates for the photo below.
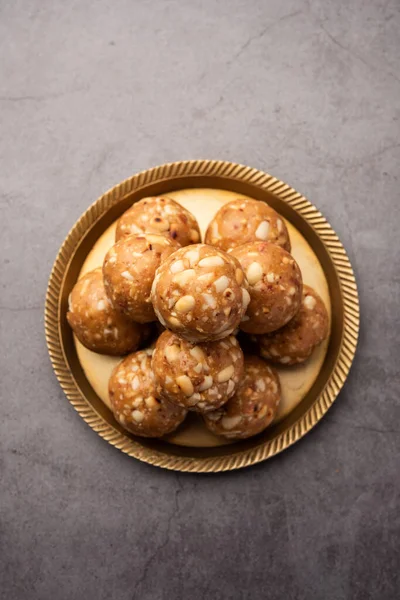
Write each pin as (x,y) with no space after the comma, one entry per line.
(295,381)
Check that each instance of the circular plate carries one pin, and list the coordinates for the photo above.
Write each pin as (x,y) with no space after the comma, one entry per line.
(242,180)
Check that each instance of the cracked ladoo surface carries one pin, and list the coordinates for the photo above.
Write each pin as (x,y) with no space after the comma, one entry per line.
(135,402)
(159,215)
(200,293)
(96,323)
(197,377)
(129,269)
(245,220)
(275,286)
(254,405)
(295,342)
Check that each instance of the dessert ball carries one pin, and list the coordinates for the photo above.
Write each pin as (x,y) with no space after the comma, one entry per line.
(254,405)
(197,377)
(295,342)
(135,402)
(200,293)
(245,220)
(159,215)
(275,286)
(129,269)
(96,323)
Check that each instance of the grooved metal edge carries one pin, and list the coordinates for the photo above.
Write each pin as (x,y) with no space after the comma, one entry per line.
(335,382)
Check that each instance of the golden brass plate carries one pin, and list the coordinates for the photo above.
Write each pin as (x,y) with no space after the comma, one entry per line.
(325,261)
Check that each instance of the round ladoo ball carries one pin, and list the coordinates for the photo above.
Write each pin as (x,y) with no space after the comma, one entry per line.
(275,286)
(200,293)
(245,220)
(197,377)
(254,405)
(159,215)
(96,323)
(295,342)
(129,269)
(135,402)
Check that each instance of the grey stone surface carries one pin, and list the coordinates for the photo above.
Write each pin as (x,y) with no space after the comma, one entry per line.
(93,91)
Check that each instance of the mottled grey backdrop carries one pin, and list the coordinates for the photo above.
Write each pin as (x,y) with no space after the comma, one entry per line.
(94,91)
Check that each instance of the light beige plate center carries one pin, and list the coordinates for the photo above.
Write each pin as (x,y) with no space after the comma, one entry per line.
(296,381)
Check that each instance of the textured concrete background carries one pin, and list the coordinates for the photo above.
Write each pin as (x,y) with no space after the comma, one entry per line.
(93,91)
